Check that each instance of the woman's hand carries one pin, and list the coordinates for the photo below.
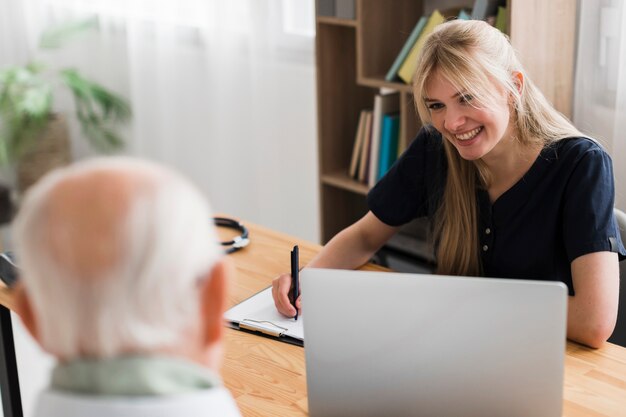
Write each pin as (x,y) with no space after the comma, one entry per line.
(349,249)
(281,292)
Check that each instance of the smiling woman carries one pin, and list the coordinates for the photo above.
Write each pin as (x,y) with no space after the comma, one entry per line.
(513,188)
(512,119)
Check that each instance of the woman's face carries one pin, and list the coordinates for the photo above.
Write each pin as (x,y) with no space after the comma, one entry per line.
(475,130)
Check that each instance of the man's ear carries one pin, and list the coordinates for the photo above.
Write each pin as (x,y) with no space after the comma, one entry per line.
(213,301)
(23,308)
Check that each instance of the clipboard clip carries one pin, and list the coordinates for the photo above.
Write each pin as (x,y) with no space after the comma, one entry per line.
(266,327)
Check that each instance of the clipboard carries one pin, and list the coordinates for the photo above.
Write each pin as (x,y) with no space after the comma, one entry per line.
(258,315)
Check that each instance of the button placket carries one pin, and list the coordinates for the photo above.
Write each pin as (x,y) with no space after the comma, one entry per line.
(487,239)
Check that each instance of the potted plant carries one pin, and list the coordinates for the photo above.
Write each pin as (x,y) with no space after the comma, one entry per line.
(27,117)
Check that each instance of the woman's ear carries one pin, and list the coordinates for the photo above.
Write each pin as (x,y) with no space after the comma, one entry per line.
(23,308)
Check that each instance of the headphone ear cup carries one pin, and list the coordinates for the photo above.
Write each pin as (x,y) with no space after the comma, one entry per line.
(238,242)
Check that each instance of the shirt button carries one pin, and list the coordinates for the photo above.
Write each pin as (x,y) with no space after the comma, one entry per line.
(485,248)
(487,231)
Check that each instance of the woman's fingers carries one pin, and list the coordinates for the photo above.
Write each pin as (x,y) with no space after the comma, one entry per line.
(281,287)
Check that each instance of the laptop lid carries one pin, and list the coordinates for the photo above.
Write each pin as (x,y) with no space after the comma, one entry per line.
(393,344)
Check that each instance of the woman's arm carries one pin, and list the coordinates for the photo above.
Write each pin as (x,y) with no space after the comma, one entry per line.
(592,312)
(349,249)
(355,245)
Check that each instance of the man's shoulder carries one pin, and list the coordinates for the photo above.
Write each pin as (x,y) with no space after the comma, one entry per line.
(215,401)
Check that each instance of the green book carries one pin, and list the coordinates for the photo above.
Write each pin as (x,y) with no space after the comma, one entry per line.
(393,71)
(407,69)
(463,15)
(502,19)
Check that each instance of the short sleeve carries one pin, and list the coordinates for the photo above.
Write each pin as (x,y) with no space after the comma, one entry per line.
(589,224)
(412,187)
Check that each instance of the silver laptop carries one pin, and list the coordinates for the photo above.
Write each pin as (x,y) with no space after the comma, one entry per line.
(392,344)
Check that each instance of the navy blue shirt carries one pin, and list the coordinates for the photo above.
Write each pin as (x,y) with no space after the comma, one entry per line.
(562,207)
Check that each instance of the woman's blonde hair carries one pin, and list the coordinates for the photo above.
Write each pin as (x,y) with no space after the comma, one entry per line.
(475,57)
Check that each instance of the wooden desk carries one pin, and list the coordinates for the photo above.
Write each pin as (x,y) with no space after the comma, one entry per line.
(267,377)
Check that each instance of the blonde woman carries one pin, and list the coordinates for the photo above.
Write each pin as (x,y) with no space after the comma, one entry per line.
(512,188)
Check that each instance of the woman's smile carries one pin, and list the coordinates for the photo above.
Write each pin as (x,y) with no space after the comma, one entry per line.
(469,138)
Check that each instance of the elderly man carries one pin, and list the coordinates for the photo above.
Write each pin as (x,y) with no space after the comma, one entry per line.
(123,282)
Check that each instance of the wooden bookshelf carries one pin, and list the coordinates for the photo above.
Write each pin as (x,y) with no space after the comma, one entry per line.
(340,179)
(353,56)
(330,20)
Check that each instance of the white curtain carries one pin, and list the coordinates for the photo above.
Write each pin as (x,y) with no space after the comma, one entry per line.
(223,90)
(14,33)
(600,85)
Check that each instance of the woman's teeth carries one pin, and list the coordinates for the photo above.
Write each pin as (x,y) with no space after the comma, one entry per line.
(470,134)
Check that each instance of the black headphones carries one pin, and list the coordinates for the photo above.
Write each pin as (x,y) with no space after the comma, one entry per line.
(238,242)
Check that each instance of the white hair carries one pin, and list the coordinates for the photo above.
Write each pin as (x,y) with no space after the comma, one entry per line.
(149,298)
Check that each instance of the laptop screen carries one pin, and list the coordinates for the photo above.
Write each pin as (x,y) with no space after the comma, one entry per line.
(381,343)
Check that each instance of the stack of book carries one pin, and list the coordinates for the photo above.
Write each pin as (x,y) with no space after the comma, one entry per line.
(376,143)
(493,11)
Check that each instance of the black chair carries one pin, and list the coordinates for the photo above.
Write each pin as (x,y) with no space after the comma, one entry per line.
(619,334)
(9,382)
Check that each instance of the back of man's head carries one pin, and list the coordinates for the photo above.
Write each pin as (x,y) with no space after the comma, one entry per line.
(114,255)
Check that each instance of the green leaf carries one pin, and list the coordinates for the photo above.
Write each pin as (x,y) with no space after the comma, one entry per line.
(26,103)
(57,36)
(36,102)
(4,154)
(96,108)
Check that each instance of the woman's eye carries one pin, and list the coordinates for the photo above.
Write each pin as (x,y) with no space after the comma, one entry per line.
(466,98)
(435,106)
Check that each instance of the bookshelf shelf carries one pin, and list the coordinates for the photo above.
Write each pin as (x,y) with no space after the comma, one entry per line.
(342,181)
(353,56)
(380,82)
(330,20)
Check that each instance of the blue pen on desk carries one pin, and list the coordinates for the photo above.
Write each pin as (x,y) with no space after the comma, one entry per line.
(295,263)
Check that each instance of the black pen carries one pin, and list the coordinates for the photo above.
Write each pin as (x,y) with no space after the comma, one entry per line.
(295,263)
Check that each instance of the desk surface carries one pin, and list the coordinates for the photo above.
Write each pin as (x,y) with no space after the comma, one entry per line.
(267,377)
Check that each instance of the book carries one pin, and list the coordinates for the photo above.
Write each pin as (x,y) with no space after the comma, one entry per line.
(484,8)
(356,149)
(392,74)
(344,9)
(388,143)
(383,104)
(463,15)
(365,148)
(258,314)
(502,19)
(407,69)
(325,7)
